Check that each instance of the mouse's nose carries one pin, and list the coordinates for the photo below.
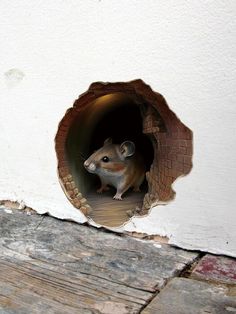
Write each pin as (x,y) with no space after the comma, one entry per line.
(86,163)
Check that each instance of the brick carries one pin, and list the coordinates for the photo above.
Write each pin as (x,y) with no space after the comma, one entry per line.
(187,168)
(73,185)
(62,163)
(70,193)
(63,171)
(169,180)
(166,171)
(59,145)
(68,186)
(189,151)
(76,203)
(169,163)
(189,143)
(69,177)
(180,158)
(175,164)
(176,173)
(79,196)
(183,143)
(216,268)
(172,156)
(63,128)
(175,135)
(188,160)
(184,136)
(183,150)
(83,201)
(61,136)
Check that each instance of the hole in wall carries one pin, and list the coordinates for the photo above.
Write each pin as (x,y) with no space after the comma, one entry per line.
(126,113)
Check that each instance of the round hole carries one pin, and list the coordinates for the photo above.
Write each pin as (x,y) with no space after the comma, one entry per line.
(122,112)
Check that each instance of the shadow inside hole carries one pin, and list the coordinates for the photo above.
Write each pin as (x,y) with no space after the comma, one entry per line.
(119,117)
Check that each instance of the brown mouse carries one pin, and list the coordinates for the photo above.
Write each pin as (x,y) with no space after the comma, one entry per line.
(117,165)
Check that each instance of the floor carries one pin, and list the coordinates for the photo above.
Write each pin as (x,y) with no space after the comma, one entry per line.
(54,266)
(113,213)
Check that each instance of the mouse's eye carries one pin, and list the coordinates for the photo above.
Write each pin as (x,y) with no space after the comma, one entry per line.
(105,159)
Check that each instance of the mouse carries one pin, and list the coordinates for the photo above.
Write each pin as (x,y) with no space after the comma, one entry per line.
(120,166)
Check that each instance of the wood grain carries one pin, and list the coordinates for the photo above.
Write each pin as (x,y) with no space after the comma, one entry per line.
(113,213)
(54,266)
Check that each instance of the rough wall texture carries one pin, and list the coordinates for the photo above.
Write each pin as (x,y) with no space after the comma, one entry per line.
(184,49)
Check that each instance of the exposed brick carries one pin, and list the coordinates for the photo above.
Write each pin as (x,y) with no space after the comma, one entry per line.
(189,143)
(183,135)
(79,196)
(216,268)
(173,139)
(63,171)
(77,203)
(183,150)
(180,167)
(60,146)
(187,168)
(183,143)
(175,135)
(68,185)
(169,180)
(189,151)
(62,163)
(187,160)
(180,158)
(172,156)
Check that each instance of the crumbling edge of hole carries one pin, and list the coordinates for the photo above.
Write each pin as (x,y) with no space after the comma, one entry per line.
(140,89)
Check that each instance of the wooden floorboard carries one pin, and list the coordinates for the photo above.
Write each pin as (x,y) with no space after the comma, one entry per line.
(53,266)
(112,213)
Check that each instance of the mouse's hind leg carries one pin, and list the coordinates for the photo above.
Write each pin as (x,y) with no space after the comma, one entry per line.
(103,187)
(137,184)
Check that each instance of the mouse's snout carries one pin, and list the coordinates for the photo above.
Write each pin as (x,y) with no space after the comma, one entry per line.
(89,166)
(86,164)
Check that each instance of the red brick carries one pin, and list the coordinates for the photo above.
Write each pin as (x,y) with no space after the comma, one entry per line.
(220,269)
(63,171)
(183,150)
(172,156)
(187,168)
(62,163)
(180,158)
(183,143)
(61,134)
(189,151)
(187,160)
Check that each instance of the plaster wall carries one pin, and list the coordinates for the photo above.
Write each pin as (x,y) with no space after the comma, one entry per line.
(184,49)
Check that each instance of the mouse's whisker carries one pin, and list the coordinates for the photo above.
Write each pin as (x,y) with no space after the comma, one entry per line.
(81,156)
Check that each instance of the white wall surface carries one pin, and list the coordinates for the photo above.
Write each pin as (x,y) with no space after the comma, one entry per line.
(183,49)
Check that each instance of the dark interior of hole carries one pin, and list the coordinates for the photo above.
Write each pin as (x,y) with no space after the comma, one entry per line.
(121,120)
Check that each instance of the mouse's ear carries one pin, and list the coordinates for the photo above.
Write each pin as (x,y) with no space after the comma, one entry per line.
(107,141)
(127,148)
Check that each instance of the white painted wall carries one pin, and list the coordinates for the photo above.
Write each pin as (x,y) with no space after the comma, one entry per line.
(183,49)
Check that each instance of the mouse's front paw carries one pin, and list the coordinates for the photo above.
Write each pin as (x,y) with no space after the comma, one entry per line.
(117,197)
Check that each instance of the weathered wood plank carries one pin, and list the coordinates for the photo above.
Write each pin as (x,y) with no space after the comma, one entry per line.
(29,282)
(48,266)
(187,296)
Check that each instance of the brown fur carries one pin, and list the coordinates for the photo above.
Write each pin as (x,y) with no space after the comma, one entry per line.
(124,169)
